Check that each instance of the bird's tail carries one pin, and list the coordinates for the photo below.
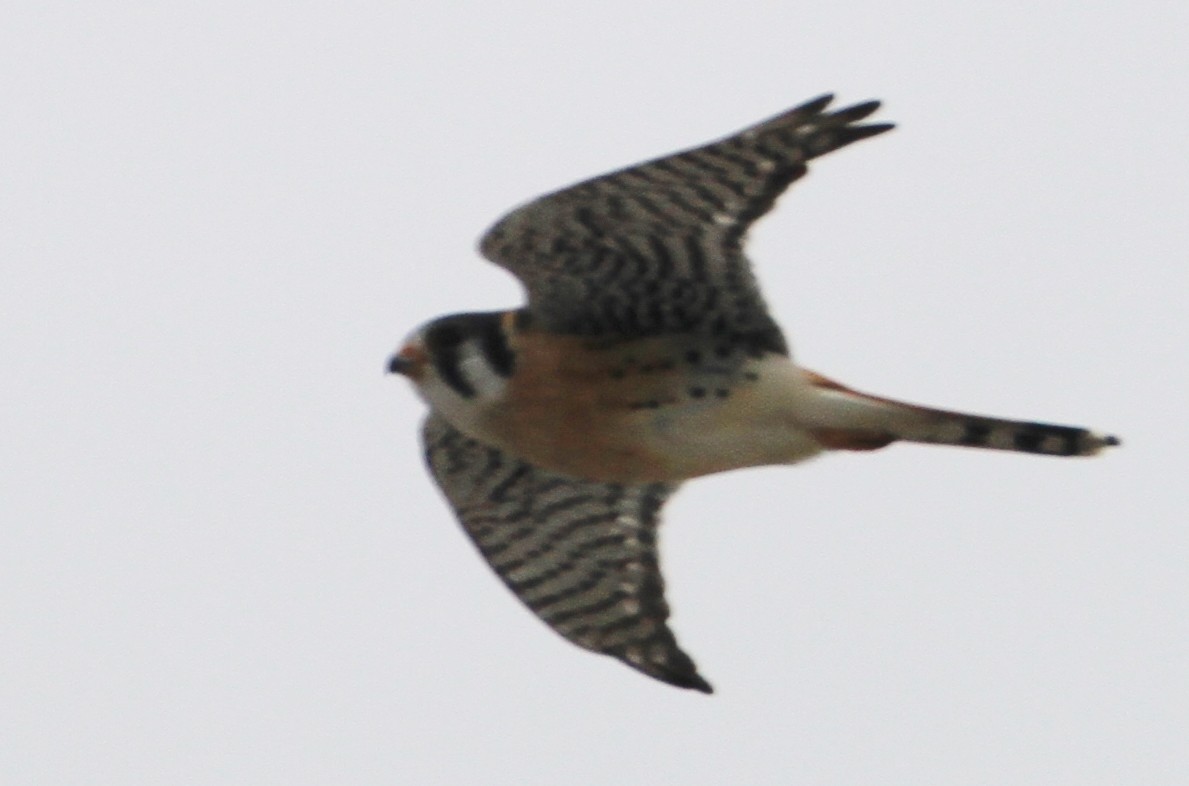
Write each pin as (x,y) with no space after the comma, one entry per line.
(847,419)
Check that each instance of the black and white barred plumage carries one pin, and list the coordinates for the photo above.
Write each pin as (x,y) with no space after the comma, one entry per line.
(645,357)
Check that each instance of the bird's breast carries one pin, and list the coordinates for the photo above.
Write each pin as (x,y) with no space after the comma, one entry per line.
(648,410)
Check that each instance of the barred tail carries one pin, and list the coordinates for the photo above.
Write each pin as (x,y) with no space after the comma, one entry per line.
(850,420)
(953,428)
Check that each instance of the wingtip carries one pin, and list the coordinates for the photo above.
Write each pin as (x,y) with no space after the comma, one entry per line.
(872,129)
(858,111)
(815,105)
(677,669)
(847,117)
(690,681)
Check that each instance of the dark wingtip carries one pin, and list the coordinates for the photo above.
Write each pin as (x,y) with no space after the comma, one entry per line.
(862,132)
(691,681)
(681,672)
(845,122)
(857,112)
(1111,441)
(815,105)
(677,669)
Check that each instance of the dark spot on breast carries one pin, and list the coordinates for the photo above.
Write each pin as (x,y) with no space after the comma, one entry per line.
(751,376)
(722,392)
(693,357)
(617,373)
(697,392)
(722,351)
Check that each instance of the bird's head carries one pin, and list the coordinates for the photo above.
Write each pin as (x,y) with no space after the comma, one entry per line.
(456,362)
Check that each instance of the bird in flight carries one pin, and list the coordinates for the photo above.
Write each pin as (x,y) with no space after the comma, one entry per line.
(645,357)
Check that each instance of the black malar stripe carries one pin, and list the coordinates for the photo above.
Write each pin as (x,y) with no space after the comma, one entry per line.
(493,343)
(444,343)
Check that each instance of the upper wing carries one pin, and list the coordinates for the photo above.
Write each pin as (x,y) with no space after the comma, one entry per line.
(581,555)
(657,248)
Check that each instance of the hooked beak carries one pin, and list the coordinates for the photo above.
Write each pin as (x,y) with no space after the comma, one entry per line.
(407,362)
(399,365)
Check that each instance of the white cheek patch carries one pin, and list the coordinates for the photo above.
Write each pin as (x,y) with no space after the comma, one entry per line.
(463,413)
(476,369)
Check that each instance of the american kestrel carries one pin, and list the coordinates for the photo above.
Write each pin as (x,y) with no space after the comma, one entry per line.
(645,357)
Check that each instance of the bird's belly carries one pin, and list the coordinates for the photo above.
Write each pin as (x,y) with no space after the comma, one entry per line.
(661,433)
(690,442)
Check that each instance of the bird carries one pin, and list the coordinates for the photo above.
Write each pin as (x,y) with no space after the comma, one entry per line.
(645,357)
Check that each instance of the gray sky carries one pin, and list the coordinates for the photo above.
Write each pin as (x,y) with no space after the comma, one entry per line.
(222,562)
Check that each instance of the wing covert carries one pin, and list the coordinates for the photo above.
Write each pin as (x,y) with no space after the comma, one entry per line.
(581,555)
(657,247)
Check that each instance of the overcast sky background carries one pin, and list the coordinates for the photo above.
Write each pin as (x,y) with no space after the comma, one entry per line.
(221,560)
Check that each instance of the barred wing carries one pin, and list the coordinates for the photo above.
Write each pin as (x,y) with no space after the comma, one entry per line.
(657,248)
(581,555)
